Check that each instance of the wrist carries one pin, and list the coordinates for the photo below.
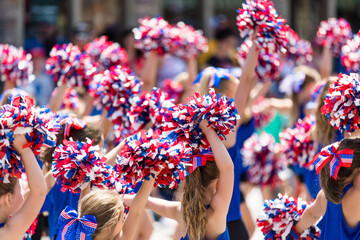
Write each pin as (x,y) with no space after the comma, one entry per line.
(24,151)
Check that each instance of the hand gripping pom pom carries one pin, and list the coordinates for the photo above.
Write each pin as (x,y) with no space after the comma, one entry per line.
(268,67)
(77,164)
(106,53)
(296,144)
(279,216)
(334,33)
(262,116)
(260,156)
(146,153)
(350,54)
(186,41)
(15,65)
(342,103)
(261,14)
(67,65)
(153,35)
(20,117)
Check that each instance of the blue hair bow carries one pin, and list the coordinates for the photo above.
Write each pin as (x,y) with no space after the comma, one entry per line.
(216,75)
(73,227)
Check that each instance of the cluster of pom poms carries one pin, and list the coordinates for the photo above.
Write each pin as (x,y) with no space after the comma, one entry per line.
(296,144)
(350,54)
(149,107)
(261,14)
(262,117)
(67,65)
(20,117)
(299,51)
(341,104)
(334,33)
(268,65)
(156,34)
(146,154)
(260,157)
(106,53)
(279,216)
(77,164)
(15,65)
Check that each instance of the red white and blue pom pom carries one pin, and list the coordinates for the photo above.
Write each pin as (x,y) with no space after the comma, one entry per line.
(39,125)
(260,156)
(342,103)
(146,153)
(350,54)
(15,65)
(334,33)
(173,89)
(186,41)
(262,117)
(279,217)
(301,53)
(153,34)
(149,107)
(272,33)
(77,164)
(268,67)
(296,144)
(106,53)
(69,66)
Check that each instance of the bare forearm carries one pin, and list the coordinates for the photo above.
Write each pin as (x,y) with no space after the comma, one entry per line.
(326,63)
(149,72)
(112,155)
(56,100)
(36,180)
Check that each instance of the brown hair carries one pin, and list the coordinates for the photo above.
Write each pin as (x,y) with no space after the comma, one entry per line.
(105,205)
(193,198)
(90,131)
(8,187)
(311,76)
(324,133)
(223,88)
(332,188)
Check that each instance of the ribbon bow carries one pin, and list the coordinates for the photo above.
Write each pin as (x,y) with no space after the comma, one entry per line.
(72,122)
(73,227)
(337,159)
(216,75)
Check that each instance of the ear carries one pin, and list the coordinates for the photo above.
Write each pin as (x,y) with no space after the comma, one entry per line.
(6,199)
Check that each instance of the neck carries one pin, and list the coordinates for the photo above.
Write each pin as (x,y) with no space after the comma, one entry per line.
(4,216)
(355,134)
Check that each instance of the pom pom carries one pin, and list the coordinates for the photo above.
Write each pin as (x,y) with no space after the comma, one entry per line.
(260,155)
(272,33)
(350,54)
(69,66)
(153,35)
(334,33)
(15,65)
(296,144)
(268,67)
(116,88)
(70,100)
(146,153)
(301,53)
(39,125)
(279,216)
(76,164)
(186,41)
(342,104)
(261,115)
(149,107)
(106,53)
(173,89)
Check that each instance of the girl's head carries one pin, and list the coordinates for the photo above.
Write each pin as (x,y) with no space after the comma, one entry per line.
(108,209)
(11,198)
(332,188)
(90,131)
(325,133)
(228,84)
(197,188)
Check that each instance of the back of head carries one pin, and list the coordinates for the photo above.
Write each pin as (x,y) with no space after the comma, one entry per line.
(8,187)
(225,87)
(193,199)
(106,206)
(332,188)
(325,133)
(224,34)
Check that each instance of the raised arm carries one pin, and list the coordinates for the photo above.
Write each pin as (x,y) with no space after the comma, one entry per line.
(149,72)
(312,213)
(326,63)
(21,220)
(112,155)
(221,200)
(56,100)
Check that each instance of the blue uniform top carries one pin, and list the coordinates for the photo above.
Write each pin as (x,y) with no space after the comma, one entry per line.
(223,236)
(2,224)
(57,201)
(334,225)
(243,133)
